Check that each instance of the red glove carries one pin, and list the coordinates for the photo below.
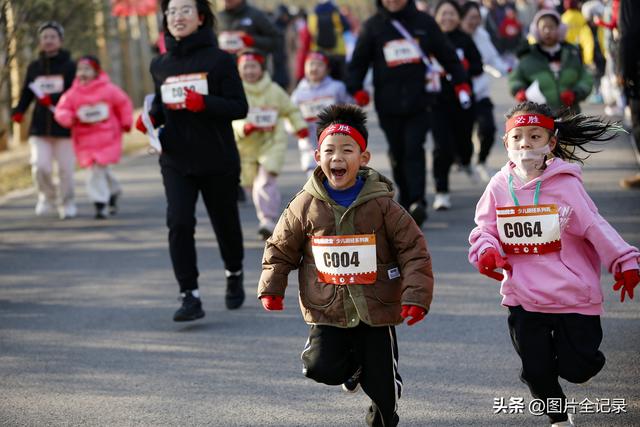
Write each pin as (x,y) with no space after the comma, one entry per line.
(489,261)
(126,128)
(462,87)
(247,40)
(463,92)
(414,312)
(194,101)
(521,95)
(17,117)
(303,133)
(627,280)
(568,97)
(45,101)
(249,128)
(272,302)
(361,97)
(140,124)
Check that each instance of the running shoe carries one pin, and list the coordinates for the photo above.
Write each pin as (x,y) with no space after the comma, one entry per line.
(418,212)
(191,308)
(442,202)
(234,296)
(352,385)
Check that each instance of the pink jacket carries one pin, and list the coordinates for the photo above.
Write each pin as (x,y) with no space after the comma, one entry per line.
(97,114)
(567,281)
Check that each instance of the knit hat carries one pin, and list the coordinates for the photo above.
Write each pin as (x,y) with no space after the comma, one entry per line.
(533,28)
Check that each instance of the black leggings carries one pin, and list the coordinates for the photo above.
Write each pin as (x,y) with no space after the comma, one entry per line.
(486,127)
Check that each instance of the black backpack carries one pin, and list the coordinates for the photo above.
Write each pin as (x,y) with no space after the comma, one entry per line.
(326,37)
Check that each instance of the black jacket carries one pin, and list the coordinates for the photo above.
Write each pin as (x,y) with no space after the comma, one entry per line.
(400,90)
(199,143)
(462,41)
(629,57)
(254,22)
(43,123)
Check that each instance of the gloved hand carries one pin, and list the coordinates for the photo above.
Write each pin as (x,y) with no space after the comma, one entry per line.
(626,280)
(361,97)
(247,40)
(272,302)
(489,261)
(126,129)
(568,97)
(194,101)
(463,91)
(249,128)
(140,124)
(45,101)
(17,117)
(521,95)
(303,133)
(414,312)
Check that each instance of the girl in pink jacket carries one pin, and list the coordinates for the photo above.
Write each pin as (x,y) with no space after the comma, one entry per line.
(97,111)
(536,222)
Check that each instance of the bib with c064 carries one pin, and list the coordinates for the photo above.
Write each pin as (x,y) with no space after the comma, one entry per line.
(346,260)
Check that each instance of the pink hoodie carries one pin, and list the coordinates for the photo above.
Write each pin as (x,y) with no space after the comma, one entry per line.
(567,281)
(99,142)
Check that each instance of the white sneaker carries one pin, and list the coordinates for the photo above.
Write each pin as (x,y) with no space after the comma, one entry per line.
(44,207)
(69,210)
(569,423)
(442,202)
(485,172)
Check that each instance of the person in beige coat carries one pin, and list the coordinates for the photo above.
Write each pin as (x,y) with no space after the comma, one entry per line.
(363,266)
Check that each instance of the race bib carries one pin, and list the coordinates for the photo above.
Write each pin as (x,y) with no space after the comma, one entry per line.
(173,93)
(529,230)
(346,260)
(49,85)
(262,117)
(311,108)
(93,113)
(231,41)
(401,51)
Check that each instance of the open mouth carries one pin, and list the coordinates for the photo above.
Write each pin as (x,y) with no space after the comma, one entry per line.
(338,172)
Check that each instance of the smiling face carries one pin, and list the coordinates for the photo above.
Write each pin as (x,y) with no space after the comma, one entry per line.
(85,72)
(182,18)
(447,18)
(250,71)
(315,70)
(471,21)
(50,41)
(340,158)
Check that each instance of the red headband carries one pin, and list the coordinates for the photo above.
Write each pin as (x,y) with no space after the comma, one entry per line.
(251,57)
(344,130)
(317,56)
(529,120)
(92,63)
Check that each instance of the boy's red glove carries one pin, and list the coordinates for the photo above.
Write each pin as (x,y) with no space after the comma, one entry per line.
(140,124)
(626,280)
(521,95)
(489,261)
(303,133)
(194,101)
(272,302)
(17,117)
(361,97)
(247,40)
(45,101)
(568,97)
(414,312)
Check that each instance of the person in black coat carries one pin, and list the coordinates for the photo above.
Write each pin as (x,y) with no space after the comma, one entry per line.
(50,76)
(452,124)
(198,92)
(403,94)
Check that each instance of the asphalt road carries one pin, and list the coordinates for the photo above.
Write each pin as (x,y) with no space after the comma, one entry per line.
(86,336)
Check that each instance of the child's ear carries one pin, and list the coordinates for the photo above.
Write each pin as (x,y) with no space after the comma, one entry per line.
(316,155)
(553,141)
(504,141)
(365,156)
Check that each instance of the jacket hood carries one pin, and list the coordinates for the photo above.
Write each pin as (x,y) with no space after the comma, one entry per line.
(203,37)
(95,84)
(408,10)
(258,87)
(238,10)
(555,168)
(375,185)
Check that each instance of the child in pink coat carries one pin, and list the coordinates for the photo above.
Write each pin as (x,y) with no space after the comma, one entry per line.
(97,111)
(536,221)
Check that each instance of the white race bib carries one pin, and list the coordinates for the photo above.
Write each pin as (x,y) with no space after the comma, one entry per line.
(262,117)
(49,85)
(401,51)
(93,113)
(173,93)
(231,41)
(529,230)
(346,260)
(312,107)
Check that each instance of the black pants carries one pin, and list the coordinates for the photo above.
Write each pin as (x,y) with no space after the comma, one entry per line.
(555,345)
(220,195)
(634,106)
(406,136)
(452,130)
(332,355)
(486,127)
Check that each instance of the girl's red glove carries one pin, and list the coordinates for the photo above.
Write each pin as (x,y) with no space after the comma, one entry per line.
(194,101)
(272,302)
(303,133)
(414,312)
(140,124)
(627,281)
(361,97)
(45,101)
(247,40)
(521,95)
(568,97)
(491,259)
(17,117)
